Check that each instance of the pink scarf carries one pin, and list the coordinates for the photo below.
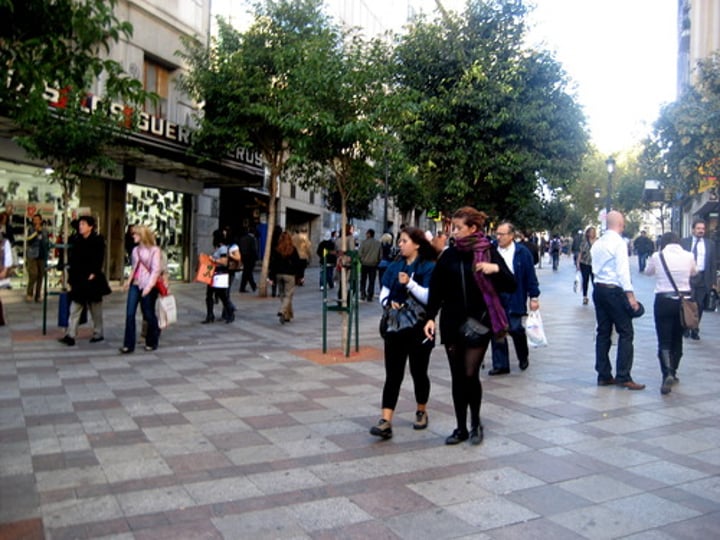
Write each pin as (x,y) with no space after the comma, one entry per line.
(480,246)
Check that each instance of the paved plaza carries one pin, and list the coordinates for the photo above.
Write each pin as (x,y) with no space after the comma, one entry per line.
(246,431)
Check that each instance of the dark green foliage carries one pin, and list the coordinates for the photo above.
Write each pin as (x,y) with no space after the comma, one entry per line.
(684,146)
(483,118)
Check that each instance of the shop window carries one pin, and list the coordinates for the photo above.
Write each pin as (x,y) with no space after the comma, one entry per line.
(162,211)
(156,79)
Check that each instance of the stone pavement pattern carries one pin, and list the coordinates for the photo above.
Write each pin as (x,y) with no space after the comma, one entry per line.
(231,431)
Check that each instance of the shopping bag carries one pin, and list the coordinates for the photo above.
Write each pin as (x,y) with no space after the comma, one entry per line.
(206,269)
(64,303)
(221,281)
(166,310)
(535,330)
(576,283)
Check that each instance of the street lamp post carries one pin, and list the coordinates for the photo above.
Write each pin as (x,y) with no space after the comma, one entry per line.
(610,162)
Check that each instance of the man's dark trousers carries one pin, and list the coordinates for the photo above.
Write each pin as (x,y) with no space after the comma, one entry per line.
(611,311)
(367,277)
(501,349)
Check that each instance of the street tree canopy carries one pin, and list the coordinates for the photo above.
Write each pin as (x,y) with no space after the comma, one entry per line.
(484,117)
(256,87)
(684,146)
(53,53)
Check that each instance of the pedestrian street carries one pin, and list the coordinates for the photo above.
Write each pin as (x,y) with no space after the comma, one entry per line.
(247,431)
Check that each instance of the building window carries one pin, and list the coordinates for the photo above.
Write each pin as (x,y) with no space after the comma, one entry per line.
(312,197)
(156,79)
(293,191)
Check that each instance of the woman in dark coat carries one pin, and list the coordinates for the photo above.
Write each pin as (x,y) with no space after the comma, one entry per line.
(87,282)
(466,282)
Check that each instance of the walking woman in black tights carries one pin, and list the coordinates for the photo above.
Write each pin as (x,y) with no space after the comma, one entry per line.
(409,276)
(465,283)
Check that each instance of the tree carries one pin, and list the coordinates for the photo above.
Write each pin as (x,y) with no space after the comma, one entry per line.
(683,147)
(53,52)
(483,117)
(346,136)
(257,86)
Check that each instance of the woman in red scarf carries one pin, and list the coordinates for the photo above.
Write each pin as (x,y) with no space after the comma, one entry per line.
(465,284)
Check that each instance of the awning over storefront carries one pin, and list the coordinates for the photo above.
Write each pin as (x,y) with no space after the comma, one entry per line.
(708,208)
(164,156)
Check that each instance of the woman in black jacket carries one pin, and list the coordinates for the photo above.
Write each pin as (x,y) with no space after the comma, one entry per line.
(466,284)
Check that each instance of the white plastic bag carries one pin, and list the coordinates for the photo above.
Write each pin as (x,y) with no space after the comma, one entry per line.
(576,283)
(166,309)
(535,330)
(221,281)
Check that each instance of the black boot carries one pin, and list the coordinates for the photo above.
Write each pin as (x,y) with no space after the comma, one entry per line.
(668,380)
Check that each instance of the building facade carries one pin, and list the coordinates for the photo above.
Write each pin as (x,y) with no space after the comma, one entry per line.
(157,182)
(698,38)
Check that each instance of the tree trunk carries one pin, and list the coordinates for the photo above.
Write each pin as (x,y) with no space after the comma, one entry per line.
(343,270)
(272,217)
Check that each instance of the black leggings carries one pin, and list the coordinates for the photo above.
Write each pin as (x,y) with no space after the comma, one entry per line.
(466,386)
(587,275)
(397,352)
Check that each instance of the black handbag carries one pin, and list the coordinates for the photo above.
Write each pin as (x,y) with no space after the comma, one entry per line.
(409,316)
(472,331)
(711,301)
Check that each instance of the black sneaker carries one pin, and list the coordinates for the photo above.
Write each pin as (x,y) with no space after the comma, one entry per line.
(96,339)
(383,429)
(476,435)
(67,340)
(457,437)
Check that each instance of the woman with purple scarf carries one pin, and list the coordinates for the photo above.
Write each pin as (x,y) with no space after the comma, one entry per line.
(466,283)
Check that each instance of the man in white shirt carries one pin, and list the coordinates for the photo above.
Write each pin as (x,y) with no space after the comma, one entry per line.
(703,250)
(612,293)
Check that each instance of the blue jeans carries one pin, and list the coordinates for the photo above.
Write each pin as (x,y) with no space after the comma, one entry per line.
(642,261)
(147,306)
(611,311)
(326,277)
(501,349)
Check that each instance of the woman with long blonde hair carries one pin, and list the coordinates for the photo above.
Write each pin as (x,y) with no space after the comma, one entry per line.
(146,260)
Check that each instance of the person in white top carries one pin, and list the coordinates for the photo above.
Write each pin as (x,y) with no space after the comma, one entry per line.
(681,266)
(615,302)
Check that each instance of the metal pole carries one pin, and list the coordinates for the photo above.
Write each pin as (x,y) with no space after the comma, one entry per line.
(608,200)
(385,207)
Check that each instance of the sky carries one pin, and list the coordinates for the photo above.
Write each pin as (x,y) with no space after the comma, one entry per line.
(620,55)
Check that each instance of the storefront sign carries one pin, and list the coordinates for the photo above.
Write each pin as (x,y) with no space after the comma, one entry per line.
(154,126)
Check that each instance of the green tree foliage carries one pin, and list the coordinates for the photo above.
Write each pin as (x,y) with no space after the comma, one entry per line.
(685,141)
(257,86)
(345,136)
(62,45)
(484,118)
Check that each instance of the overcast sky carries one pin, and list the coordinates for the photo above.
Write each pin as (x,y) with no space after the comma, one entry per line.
(620,54)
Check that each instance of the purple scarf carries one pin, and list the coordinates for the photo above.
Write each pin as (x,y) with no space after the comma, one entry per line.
(480,246)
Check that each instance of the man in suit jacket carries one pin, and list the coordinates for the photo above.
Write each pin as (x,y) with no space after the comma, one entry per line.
(703,249)
(520,261)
